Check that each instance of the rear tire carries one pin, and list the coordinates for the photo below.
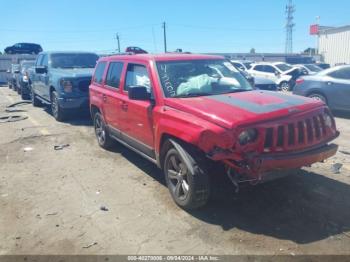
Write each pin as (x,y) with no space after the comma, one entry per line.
(186,177)
(319,97)
(101,132)
(57,111)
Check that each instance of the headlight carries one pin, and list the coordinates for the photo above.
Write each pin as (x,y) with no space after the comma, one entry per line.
(247,136)
(25,78)
(67,86)
(328,121)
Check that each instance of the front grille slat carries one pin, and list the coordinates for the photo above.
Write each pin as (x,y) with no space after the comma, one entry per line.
(295,134)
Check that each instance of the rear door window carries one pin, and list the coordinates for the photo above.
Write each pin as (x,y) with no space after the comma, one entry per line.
(98,77)
(259,68)
(114,73)
(269,69)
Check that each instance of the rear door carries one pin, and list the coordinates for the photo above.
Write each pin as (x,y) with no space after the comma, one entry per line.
(35,76)
(339,88)
(136,117)
(112,96)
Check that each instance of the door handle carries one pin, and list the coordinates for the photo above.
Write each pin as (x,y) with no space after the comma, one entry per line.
(104,98)
(124,105)
(329,83)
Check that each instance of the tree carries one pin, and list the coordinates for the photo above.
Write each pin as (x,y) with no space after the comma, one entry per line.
(252,51)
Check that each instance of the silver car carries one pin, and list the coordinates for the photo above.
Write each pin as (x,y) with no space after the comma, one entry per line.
(332,86)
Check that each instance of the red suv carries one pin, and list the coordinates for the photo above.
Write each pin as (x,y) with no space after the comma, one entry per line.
(189,113)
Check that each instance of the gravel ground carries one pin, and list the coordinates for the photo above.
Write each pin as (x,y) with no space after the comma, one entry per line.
(50,200)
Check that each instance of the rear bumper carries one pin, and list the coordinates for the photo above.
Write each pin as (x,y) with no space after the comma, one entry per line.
(74,103)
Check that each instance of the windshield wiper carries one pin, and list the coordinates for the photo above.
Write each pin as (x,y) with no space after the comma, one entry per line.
(237,90)
(193,95)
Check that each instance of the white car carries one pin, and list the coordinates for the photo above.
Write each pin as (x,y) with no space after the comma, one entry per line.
(280,73)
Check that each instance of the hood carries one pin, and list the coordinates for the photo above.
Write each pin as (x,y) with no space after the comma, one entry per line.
(73,72)
(236,109)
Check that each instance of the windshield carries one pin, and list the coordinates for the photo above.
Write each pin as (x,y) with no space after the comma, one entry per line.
(313,68)
(200,78)
(283,67)
(73,60)
(26,65)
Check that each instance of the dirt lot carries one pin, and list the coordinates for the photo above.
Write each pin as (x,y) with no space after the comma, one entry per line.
(50,200)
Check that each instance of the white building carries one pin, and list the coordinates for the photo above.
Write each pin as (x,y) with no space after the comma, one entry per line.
(334,45)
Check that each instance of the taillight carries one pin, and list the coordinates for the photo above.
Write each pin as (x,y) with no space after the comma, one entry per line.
(299,81)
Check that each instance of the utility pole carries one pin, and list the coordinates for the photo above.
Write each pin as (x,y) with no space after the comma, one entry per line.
(117,37)
(290,9)
(164,32)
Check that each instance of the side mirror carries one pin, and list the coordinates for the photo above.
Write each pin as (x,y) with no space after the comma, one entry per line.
(277,73)
(16,71)
(138,93)
(40,69)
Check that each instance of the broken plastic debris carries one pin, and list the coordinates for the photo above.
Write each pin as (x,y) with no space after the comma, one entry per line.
(336,168)
(27,149)
(90,245)
(103,208)
(60,147)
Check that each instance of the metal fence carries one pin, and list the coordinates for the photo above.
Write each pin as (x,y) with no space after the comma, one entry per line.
(7,60)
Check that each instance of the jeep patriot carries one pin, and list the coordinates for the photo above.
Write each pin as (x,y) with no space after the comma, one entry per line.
(196,116)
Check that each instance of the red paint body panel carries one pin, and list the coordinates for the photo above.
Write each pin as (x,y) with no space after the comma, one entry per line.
(212,123)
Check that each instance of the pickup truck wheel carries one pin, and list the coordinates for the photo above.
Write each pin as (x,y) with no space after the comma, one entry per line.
(284,86)
(101,132)
(186,178)
(57,112)
(35,101)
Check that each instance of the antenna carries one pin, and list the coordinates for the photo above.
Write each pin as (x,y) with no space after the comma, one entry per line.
(290,9)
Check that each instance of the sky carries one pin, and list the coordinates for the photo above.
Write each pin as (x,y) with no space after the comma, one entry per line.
(196,26)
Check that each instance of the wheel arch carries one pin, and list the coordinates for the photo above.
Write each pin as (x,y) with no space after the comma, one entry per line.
(319,92)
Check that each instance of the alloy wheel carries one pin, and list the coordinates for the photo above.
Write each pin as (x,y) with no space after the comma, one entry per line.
(100,130)
(178,178)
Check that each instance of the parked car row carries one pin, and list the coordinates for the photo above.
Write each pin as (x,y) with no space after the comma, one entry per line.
(194,116)
(281,74)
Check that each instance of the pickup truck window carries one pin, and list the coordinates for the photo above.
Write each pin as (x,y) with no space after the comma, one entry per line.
(72,60)
(137,75)
(200,78)
(98,77)
(114,73)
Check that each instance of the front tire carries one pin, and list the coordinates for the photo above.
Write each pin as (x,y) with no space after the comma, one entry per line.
(35,101)
(284,86)
(186,177)
(101,132)
(57,111)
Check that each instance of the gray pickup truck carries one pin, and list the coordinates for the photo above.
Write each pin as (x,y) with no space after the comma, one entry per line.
(62,79)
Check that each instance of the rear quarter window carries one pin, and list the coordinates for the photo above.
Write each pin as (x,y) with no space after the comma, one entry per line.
(98,76)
